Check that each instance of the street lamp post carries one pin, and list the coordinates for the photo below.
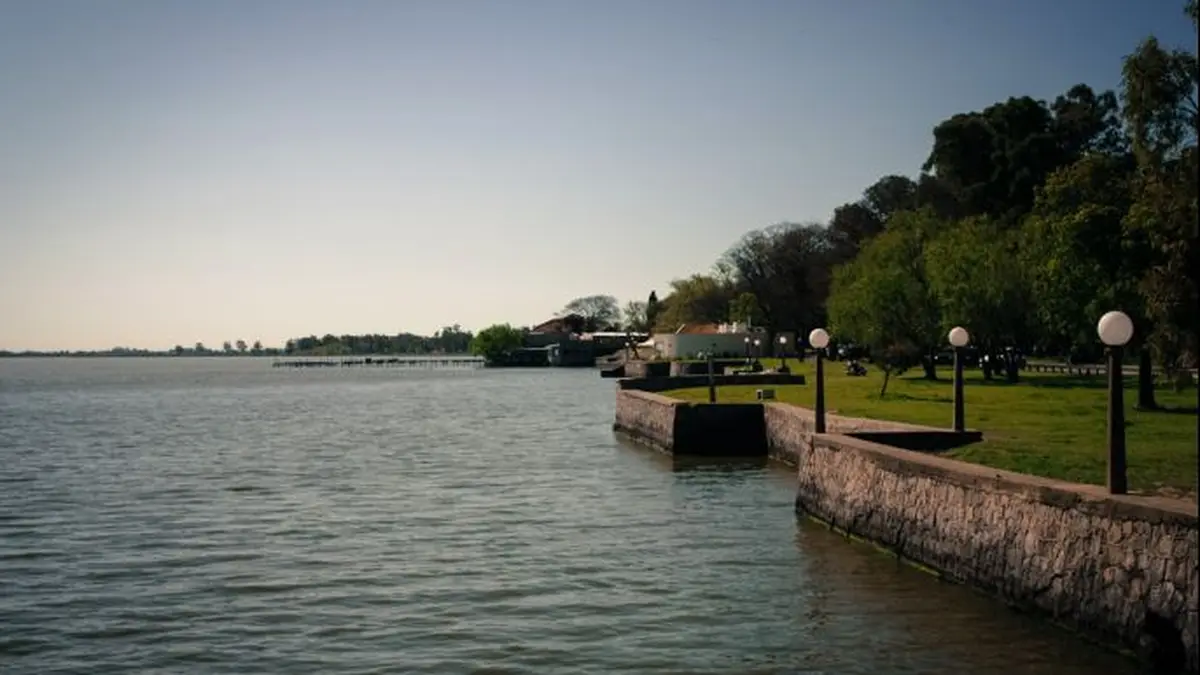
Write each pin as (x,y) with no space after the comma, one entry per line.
(959,338)
(819,339)
(1115,330)
(747,341)
(783,354)
(757,350)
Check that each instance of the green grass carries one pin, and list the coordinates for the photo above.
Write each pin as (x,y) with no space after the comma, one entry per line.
(1047,425)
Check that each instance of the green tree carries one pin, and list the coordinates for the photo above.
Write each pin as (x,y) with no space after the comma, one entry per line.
(1077,255)
(994,160)
(599,312)
(744,308)
(882,300)
(497,341)
(891,194)
(977,281)
(700,298)
(851,226)
(788,268)
(241,346)
(1159,92)
(256,348)
(635,316)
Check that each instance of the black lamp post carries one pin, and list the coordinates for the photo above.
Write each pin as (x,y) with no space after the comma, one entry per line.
(783,354)
(819,339)
(747,341)
(1115,330)
(712,382)
(959,338)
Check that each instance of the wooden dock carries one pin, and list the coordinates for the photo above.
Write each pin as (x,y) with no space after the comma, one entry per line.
(382,361)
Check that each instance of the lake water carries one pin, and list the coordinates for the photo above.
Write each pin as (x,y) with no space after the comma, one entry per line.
(221,516)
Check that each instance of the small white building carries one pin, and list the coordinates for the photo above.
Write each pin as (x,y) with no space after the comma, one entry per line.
(689,341)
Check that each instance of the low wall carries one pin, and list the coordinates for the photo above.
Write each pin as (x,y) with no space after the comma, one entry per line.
(641,369)
(685,381)
(683,368)
(750,429)
(1121,569)
(789,427)
(699,429)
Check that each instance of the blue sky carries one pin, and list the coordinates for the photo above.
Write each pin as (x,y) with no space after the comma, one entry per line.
(178,171)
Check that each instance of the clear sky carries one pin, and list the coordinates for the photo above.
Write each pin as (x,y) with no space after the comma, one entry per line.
(211,170)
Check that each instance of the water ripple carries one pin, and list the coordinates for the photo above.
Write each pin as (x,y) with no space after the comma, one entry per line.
(220,516)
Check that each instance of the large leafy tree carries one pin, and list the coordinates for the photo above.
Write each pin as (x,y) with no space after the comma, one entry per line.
(788,269)
(744,309)
(891,194)
(1078,258)
(883,300)
(496,341)
(599,312)
(977,282)
(1159,93)
(993,160)
(700,298)
(634,315)
(852,226)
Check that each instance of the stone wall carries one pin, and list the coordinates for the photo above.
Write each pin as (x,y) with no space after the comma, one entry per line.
(647,417)
(750,429)
(1121,569)
(790,427)
(646,369)
(702,429)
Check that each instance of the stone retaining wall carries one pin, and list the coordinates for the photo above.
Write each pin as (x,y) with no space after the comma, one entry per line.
(751,429)
(1121,569)
(701,429)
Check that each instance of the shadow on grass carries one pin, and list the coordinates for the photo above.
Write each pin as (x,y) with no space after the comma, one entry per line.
(1170,410)
(928,442)
(1042,382)
(891,397)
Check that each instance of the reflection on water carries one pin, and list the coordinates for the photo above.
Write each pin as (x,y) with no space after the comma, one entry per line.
(221,516)
(928,625)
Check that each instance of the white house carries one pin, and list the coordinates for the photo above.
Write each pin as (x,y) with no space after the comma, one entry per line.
(692,340)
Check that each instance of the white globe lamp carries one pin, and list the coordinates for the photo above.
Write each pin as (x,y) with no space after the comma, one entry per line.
(1115,329)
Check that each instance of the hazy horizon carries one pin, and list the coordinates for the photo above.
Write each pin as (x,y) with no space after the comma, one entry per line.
(174,172)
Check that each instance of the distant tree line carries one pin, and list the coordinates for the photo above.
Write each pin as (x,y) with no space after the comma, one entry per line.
(236,348)
(178,350)
(448,340)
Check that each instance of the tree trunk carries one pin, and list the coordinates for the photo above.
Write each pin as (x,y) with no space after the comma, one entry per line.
(1145,399)
(887,374)
(1011,372)
(929,363)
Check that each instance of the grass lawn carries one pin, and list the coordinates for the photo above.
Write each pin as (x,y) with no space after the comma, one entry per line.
(1047,425)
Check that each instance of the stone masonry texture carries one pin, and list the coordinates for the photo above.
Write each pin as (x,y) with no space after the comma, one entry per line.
(1121,569)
